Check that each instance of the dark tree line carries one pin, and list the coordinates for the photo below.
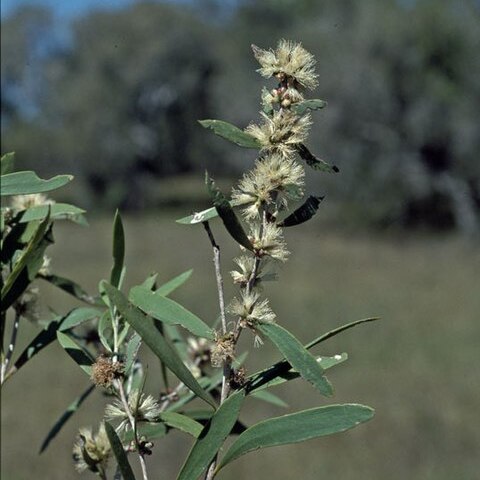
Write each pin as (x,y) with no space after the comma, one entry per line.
(114,98)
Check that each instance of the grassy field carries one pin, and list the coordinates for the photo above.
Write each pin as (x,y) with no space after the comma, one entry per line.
(417,367)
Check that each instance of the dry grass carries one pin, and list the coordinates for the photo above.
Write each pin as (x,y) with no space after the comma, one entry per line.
(417,367)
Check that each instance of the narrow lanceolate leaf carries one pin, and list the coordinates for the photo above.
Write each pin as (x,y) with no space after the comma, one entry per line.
(145,327)
(78,316)
(303,213)
(212,437)
(203,416)
(58,211)
(26,183)
(70,287)
(338,330)
(78,354)
(231,133)
(269,398)
(133,345)
(301,108)
(226,213)
(281,372)
(105,330)
(118,250)
(42,340)
(28,265)
(205,215)
(298,427)
(7,163)
(169,311)
(314,162)
(48,335)
(181,422)
(170,286)
(71,409)
(298,356)
(119,452)
(281,369)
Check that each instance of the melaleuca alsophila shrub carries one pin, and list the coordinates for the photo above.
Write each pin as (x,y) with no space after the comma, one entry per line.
(201,361)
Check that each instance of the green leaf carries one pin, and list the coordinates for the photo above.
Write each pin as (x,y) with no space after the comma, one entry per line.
(301,108)
(226,213)
(203,416)
(58,211)
(7,163)
(168,287)
(145,327)
(41,340)
(70,287)
(181,422)
(118,250)
(78,354)
(28,265)
(297,427)
(48,335)
(338,330)
(119,452)
(26,183)
(269,398)
(281,372)
(105,330)
(133,346)
(212,437)
(231,133)
(149,430)
(282,368)
(71,409)
(78,316)
(169,312)
(150,281)
(205,215)
(303,213)
(314,162)
(298,356)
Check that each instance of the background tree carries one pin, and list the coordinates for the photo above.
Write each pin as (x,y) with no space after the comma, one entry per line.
(400,78)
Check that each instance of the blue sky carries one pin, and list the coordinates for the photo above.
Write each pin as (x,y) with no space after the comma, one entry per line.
(65,8)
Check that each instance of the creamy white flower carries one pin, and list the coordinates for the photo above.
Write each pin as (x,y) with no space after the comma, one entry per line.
(281,132)
(22,202)
(92,448)
(268,240)
(251,309)
(290,59)
(145,409)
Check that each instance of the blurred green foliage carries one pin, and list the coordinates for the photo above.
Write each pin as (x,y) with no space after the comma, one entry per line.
(115,101)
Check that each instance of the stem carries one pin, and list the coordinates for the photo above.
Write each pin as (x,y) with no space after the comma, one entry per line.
(3,319)
(227,367)
(132,421)
(218,275)
(10,348)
